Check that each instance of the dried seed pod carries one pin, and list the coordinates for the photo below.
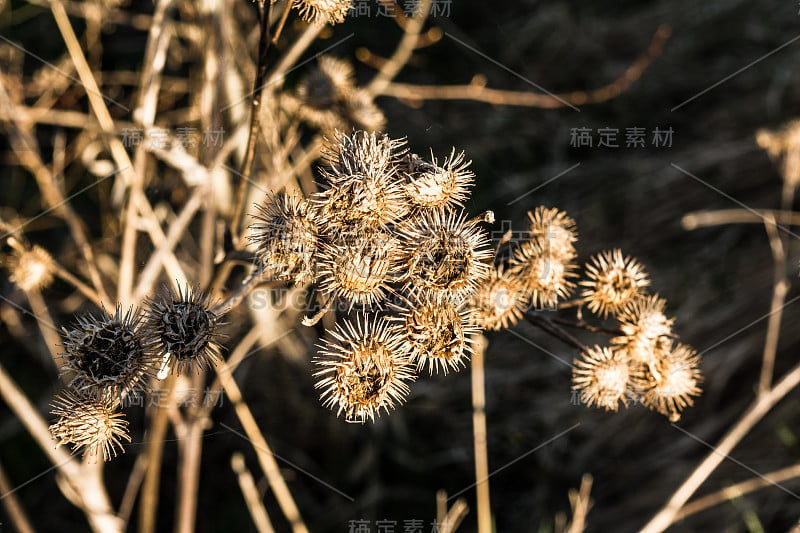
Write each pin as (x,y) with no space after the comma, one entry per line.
(361,154)
(358,265)
(547,276)
(89,423)
(601,375)
(554,232)
(669,384)
(446,255)
(363,368)
(431,186)
(361,112)
(182,328)
(439,333)
(643,324)
(31,269)
(501,300)
(285,237)
(106,357)
(612,281)
(331,11)
(323,87)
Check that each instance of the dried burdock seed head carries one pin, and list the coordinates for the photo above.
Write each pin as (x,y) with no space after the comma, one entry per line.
(361,154)
(445,254)
(89,423)
(643,324)
(669,384)
(31,269)
(363,368)
(363,200)
(183,330)
(439,334)
(106,357)
(431,186)
(547,276)
(601,376)
(323,87)
(361,111)
(554,232)
(612,281)
(285,237)
(331,11)
(501,300)
(358,264)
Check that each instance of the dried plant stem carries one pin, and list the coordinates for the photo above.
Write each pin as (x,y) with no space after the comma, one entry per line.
(403,52)
(263,451)
(132,488)
(256,277)
(580,324)
(251,496)
(739,489)
(154,62)
(12,505)
(190,446)
(760,407)
(26,148)
(148,503)
(101,113)
(61,272)
(291,56)
(264,8)
(480,438)
(176,230)
(83,479)
(282,22)
(581,503)
(479,92)
(779,289)
(45,324)
(552,329)
(703,219)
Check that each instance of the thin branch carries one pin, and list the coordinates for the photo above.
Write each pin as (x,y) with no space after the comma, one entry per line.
(739,489)
(263,451)
(760,407)
(703,219)
(549,327)
(251,497)
(779,289)
(479,92)
(264,47)
(403,52)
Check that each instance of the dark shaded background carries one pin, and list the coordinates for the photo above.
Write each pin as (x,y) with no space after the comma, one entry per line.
(717,281)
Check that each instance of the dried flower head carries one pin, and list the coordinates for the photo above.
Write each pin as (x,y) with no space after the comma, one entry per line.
(31,269)
(359,154)
(358,264)
(331,11)
(89,423)
(106,357)
(285,237)
(547,276)
(363,368)
(554,232)
(431,186)
(183,328)
(643,324)
(439,334)
(361,111)
(669,384)
(612,281)
(602,377)
(364,187)
(446,255)
(501,300)
(323,86)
